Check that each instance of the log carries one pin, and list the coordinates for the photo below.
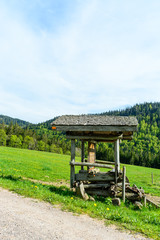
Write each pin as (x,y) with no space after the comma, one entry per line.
(98,185)
(95,138)
(80,191)
(91,164)
(120,184)
(98,192)
(130,196)
(98,177)
(105,162)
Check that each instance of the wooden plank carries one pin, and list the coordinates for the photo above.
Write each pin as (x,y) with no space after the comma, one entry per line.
(96,138)
(152,202)
(100,185)
(105,162)
(96,128)
(100,177)
(98,192)
(149,200)
(91,165)
(72,169)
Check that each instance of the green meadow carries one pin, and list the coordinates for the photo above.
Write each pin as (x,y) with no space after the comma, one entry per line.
(19,166)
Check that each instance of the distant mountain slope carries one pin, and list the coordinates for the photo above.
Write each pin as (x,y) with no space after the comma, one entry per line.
(7,120)
(46,124)
(150,112)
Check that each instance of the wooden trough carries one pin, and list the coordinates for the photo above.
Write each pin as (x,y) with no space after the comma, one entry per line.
(94,129)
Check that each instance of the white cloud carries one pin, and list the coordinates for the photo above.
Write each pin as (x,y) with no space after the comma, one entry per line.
(106,56)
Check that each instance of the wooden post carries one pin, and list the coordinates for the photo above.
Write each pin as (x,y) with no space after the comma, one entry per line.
(152,177)
(91,153)
(116,158)
(82,154)
(124,184)
(72,173)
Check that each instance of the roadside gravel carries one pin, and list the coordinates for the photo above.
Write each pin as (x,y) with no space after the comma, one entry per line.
(26,219)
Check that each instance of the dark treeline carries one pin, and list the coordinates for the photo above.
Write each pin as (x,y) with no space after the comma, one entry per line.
(34,138)
(143,150)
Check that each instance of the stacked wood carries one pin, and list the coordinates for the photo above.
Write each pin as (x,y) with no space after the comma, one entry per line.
(103,184)
(96,183)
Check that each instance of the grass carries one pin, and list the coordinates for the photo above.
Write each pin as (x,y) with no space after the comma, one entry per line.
(17,164)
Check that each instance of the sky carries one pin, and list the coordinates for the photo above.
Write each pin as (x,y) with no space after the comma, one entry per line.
(77,56)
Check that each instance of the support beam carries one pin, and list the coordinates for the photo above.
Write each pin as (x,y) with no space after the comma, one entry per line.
(91,153)
(116,155)
(72,172)
(82,154)
(91,165)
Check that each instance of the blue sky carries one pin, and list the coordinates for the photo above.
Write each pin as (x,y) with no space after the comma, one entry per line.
(77,56)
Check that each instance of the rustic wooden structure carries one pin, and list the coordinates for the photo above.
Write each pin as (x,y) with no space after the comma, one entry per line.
(93,129)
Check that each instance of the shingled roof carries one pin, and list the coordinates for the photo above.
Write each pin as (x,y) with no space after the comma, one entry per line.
(95,120)
(96,127)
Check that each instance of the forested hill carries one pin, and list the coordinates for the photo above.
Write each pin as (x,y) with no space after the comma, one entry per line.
(7,120)
(143,150)
(150,112)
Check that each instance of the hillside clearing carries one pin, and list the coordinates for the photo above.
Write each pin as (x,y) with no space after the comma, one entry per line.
(19,168)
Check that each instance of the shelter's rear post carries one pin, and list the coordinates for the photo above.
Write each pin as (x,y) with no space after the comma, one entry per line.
(82,154)
(72,167)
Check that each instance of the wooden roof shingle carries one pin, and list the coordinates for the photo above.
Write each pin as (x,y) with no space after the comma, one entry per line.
(95,120)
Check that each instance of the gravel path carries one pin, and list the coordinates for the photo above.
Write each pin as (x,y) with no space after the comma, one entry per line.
(26,219)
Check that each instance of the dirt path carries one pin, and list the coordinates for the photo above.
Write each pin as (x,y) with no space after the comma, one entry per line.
(27,219)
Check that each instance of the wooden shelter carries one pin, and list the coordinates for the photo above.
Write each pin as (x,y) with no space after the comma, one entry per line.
(93,129)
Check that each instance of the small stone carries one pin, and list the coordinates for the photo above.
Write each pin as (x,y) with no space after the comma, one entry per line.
(116,201)
(138,205)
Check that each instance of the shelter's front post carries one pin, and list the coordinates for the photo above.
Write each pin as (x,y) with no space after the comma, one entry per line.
(72,173)
(91,153)
(124,184)
(116,158)
(82,154)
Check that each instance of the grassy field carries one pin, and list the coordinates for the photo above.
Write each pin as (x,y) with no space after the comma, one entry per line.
(17,164)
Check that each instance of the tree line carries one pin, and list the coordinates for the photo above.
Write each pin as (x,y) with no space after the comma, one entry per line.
(40,139)
(143,150)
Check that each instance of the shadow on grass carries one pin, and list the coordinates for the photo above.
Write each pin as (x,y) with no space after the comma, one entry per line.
(10,177)
(62,190)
